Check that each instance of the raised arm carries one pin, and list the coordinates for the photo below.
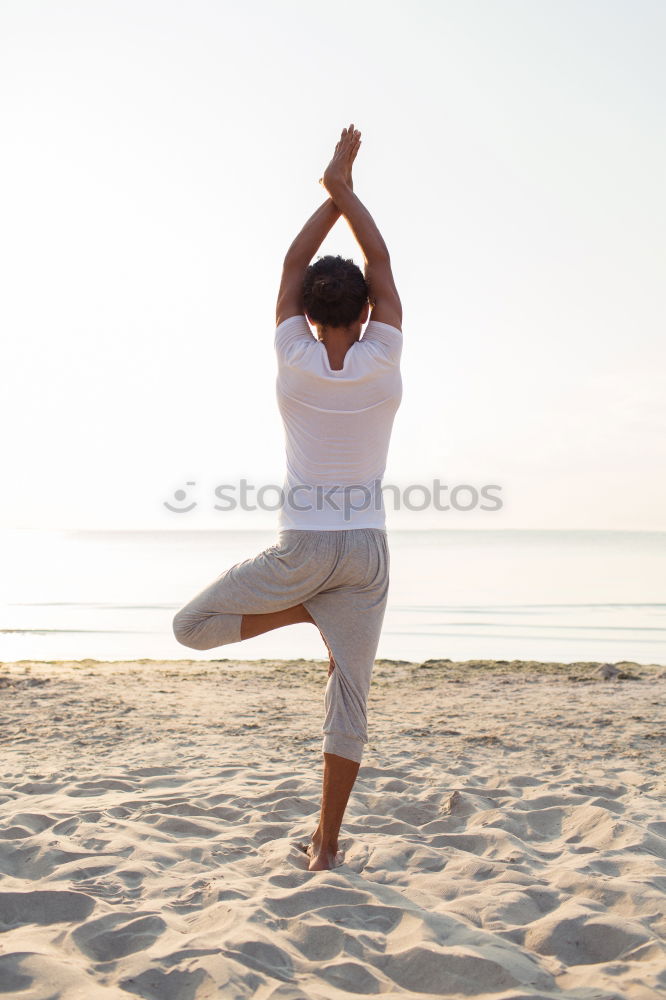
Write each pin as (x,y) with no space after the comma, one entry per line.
(305,246)
(384,298)
(298,257)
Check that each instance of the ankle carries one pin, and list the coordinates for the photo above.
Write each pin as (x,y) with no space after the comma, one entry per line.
(325,844)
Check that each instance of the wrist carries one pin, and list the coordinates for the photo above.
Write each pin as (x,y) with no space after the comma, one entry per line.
(337,185)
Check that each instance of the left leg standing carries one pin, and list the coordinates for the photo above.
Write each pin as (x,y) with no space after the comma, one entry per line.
(350,619)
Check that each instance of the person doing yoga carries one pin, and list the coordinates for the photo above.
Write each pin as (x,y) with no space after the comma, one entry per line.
(338,394)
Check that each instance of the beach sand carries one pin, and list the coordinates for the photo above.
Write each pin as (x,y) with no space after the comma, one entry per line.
(506,837)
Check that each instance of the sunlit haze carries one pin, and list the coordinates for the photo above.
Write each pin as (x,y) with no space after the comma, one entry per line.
(158,159)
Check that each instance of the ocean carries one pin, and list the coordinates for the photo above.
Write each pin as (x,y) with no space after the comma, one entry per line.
(461,594)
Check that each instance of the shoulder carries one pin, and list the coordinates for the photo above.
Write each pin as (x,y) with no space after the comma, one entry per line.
(385,338)
(291,330)
(293,339)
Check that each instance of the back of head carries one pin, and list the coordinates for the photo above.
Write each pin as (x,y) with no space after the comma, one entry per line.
(334,291)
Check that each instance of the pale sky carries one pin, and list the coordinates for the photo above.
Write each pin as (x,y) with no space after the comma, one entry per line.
(158,159)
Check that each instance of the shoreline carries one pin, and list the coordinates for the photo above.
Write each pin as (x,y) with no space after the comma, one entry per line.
(519,666)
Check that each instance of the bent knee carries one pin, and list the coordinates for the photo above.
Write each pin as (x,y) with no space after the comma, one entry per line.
(186,629)
(205,629)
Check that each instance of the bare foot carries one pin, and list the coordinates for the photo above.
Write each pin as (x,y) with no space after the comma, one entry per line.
(320,859)
(325,862)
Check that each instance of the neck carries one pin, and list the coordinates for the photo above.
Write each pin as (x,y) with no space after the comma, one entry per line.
(338,336)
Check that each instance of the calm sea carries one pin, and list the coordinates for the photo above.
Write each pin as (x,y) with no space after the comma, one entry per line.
(551,595)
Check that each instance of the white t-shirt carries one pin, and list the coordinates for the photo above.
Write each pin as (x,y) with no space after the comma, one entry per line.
(337,425)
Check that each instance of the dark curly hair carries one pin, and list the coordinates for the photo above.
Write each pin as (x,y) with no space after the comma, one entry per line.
(334,291)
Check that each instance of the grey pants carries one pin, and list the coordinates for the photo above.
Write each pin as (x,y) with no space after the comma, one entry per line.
(342,579)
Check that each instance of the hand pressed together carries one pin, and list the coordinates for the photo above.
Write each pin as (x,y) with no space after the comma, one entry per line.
(339,170)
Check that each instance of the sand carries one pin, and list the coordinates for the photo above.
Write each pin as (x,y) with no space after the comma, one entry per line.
(506,837)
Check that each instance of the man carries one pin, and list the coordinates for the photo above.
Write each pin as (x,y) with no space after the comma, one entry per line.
(338,395)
